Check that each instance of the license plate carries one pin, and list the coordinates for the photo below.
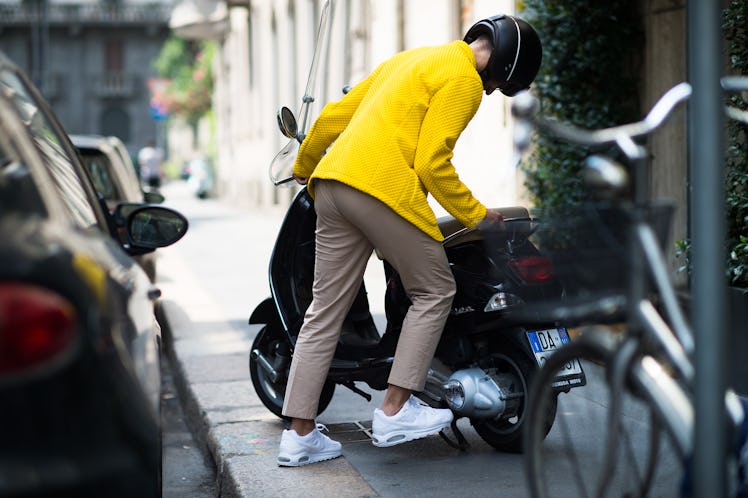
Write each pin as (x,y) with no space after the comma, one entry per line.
(545,342)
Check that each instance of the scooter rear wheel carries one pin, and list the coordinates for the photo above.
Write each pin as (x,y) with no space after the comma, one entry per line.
(507,432)
(273,346)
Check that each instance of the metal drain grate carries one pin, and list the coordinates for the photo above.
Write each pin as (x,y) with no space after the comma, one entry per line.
(351,432)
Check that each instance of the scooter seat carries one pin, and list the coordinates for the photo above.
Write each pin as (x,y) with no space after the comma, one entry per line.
(352,338)
(449,225)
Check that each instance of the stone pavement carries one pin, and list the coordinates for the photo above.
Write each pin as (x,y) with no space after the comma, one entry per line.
(211,281)
(210,355)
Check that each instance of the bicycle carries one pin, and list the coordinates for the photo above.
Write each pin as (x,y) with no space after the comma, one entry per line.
(638,434)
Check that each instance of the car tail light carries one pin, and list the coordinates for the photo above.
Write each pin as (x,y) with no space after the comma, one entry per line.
(533,269)
(36,325)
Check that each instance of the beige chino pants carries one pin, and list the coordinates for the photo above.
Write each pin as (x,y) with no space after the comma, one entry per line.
(350,224)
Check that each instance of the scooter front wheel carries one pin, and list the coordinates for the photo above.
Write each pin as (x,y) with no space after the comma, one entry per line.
(269,365)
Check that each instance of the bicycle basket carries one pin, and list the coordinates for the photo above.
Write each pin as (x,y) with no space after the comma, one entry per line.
(588,246)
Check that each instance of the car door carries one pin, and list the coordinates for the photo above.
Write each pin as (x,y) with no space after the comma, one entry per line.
(131,297)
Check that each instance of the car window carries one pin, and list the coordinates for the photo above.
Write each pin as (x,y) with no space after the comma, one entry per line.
(50,145)
(18,192)
(128,178)
(100,167)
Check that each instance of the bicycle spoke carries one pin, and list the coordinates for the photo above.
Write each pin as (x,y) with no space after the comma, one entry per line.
(572,456)
(580,456)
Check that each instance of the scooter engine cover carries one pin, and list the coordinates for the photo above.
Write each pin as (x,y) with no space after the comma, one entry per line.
(473,393)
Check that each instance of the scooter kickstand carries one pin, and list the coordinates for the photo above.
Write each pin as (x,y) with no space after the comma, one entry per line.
(461,443)
(350,385)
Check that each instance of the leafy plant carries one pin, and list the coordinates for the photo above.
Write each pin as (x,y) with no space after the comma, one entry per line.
(735,29)
(683,251)
(587,78)
(188,66)
(739,258)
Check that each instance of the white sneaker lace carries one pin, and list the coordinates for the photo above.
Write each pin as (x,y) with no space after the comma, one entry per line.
(416,402)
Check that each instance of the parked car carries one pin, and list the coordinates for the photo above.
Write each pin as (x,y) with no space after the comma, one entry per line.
(79,342)
(150,196)
(115,179)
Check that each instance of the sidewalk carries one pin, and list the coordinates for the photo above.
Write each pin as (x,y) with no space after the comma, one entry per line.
(211,281)
(210,352)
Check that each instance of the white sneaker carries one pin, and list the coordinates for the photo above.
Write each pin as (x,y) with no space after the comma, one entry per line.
(296,450)
(414,421)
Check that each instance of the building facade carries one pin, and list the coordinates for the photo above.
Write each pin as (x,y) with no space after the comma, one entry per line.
(266,50)
(91,60)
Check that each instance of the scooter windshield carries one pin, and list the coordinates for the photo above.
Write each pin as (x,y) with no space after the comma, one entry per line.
(281,168)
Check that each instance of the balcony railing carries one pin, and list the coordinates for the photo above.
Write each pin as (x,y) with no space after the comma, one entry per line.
(106,13)
(114,85)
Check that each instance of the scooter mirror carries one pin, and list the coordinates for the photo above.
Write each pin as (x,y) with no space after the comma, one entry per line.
(287,122)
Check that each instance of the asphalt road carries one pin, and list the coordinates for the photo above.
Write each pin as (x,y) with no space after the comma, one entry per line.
(187,469)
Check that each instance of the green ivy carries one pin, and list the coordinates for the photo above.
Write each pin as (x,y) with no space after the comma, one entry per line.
(588,78)
(735,29)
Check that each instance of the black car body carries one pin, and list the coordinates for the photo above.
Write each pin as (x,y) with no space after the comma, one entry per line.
(79,343)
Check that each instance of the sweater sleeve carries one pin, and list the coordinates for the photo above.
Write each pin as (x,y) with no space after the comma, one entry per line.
(330,123)
(450,111)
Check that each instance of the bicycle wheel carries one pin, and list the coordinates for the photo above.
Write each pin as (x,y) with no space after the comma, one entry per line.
(583,456)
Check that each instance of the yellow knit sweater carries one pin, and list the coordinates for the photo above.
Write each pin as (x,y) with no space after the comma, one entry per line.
(395,131)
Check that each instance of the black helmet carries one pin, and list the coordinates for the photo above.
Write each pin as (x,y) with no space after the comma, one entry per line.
(516,54)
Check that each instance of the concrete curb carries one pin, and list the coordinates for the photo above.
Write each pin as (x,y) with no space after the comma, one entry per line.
(209,358)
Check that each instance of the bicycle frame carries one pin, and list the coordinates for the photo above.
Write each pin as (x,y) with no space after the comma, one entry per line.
(657,345)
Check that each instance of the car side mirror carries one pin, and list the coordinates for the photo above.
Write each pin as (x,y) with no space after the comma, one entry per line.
(153,197)
(123,211)
(151,227)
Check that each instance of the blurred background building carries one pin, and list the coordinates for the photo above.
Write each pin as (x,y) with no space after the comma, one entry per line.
(265,51)
(266,48)
(91,60)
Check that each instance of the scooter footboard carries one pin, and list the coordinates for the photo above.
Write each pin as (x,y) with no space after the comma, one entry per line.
(373,372)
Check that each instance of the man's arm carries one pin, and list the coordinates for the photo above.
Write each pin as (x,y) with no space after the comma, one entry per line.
(331,122)
(450,111)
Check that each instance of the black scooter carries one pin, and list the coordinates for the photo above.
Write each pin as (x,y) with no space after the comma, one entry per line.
(489,350)
(486,357)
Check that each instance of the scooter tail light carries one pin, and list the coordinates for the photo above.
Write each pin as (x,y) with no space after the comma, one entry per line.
(37,326)
(533,269)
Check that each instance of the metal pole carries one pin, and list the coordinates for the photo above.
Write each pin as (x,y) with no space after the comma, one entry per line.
(36,64)
(708,286)
(44,52)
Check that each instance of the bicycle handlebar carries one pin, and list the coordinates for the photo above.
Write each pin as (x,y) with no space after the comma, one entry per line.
(525,107)
(734,84)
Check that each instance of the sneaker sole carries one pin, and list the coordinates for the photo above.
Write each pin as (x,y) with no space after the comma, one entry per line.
(300,460)
(400,437)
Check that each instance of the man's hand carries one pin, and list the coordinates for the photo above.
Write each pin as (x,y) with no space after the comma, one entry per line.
(492,218)
(300,180)
(493,222)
